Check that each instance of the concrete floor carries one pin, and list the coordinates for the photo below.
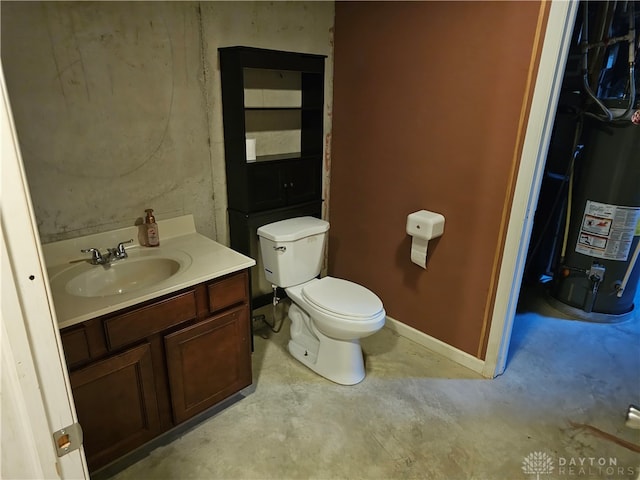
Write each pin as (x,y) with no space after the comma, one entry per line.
(417,415)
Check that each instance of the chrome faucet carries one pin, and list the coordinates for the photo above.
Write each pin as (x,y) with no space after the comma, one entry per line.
(119,252)
(112,255)
(96,256)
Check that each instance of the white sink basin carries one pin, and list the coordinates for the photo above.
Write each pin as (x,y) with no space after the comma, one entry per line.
(141,270)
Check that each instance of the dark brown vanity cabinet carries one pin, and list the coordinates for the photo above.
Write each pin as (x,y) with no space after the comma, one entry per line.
(140,372)
(277,99)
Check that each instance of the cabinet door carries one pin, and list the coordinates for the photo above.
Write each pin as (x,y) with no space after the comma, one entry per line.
(116,405)
(267,186)
(208,362)
(304,181)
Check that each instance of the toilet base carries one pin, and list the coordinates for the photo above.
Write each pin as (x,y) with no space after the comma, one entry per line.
(340,361)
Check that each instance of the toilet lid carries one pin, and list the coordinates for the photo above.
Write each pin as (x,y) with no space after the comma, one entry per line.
(343,298)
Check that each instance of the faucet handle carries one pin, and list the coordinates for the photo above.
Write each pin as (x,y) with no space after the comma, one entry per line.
(120,251)
(96,257)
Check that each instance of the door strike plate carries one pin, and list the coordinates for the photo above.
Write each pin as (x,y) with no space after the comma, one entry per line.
(68,439)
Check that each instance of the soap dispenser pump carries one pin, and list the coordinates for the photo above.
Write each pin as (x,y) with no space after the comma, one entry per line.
(153,238)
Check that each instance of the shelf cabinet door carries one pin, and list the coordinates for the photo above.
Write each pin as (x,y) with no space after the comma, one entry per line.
(278,184)
(304,179)
(208,361)
(267,186)
(116,404)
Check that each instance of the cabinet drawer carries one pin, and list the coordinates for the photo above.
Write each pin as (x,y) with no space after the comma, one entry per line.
(76,346)
(83,342)
(146,321)
(228,291)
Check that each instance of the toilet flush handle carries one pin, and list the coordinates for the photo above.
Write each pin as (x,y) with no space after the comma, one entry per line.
(280,249)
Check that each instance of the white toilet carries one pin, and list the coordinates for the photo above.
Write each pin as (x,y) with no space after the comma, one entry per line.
(328,316)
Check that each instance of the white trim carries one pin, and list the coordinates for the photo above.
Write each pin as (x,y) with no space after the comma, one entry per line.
(539,128)
(31,288)
(23,423)
(435,345)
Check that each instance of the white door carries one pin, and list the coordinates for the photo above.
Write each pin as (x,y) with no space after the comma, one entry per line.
(555,48)
(36,394)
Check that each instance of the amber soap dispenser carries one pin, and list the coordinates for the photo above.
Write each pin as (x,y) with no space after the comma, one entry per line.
(153,238)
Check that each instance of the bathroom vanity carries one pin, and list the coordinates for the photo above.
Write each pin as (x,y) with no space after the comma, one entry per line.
(147,360)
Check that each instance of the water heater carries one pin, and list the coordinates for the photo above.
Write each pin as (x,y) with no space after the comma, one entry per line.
(600,272)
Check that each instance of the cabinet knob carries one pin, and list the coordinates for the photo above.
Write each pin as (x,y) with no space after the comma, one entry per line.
(291,184)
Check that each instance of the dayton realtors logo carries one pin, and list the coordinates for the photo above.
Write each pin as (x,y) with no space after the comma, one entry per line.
(540,463)
(537,463)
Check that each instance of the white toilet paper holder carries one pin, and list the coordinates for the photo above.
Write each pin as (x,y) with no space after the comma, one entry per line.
(423,226)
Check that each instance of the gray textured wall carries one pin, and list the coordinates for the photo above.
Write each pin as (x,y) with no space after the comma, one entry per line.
(117,104)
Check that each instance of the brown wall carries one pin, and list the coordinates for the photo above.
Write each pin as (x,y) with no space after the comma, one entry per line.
(429,99)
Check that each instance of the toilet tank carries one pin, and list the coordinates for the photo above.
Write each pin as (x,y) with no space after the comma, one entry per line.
(292,250)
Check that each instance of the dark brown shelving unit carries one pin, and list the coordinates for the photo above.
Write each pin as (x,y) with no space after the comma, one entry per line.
(276,97)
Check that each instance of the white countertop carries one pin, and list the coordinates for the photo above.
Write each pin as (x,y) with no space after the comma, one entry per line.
(205,260)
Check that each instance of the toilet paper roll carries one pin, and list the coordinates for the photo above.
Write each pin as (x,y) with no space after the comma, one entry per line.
(251,149)
(419,251)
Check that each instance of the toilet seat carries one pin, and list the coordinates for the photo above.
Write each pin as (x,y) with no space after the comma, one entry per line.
(342,299)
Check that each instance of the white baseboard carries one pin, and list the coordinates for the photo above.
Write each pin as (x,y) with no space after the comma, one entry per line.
(435,345)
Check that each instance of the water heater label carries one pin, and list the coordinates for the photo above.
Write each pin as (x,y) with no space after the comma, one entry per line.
(607,230)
